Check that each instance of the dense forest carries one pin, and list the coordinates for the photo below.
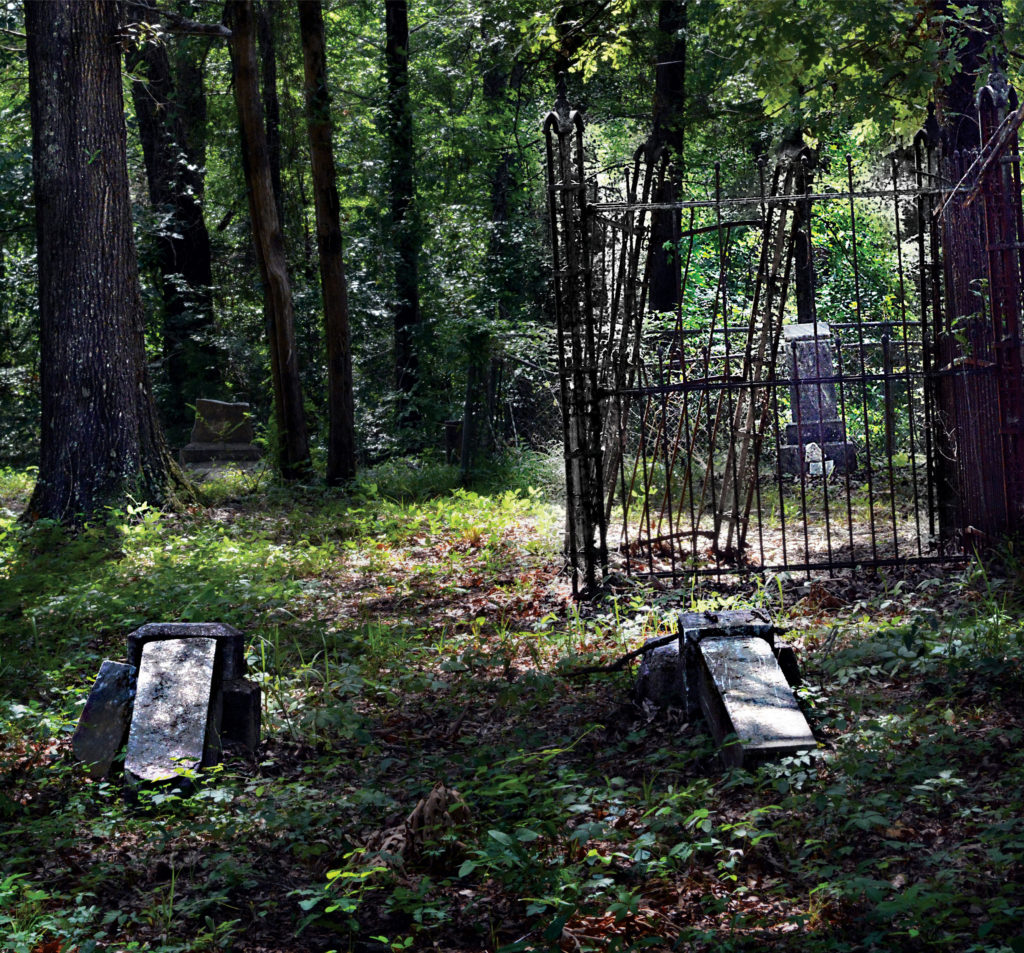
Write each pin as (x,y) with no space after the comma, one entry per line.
(344,215)
(404,164)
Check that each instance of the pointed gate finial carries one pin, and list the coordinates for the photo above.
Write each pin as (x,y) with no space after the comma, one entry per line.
(998,85)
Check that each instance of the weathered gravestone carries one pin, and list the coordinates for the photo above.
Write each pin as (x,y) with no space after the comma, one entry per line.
(669,673)
(223,433)
(743,692)
(725,666)
(105,718)
(176,721)
(816,438)
(240,698)
(185,695)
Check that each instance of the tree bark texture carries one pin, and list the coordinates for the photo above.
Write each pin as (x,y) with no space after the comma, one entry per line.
(269,242)
(341,448)
(956,111)
(174,174)
(267,47)
(405,235)
(667,139)
(970,443)
(101,442)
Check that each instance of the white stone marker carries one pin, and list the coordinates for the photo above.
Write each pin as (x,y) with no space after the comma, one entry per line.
(172,708)
(743,692)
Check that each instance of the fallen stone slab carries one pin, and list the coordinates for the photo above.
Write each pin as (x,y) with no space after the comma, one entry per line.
(104,721)
(175,725)
(743,692)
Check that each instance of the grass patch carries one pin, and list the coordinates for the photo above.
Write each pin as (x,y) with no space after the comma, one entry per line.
(408,635)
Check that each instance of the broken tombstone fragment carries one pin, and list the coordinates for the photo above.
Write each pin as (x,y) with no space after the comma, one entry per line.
(184,693)
(104,720)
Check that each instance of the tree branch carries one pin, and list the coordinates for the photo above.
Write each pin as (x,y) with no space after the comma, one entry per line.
(620,663)
(175,23)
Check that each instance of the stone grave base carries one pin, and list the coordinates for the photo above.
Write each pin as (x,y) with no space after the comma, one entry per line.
(725,668)
(181,699)
(210,453)
(792,459)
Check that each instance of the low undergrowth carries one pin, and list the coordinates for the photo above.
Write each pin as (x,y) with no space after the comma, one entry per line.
(431,779)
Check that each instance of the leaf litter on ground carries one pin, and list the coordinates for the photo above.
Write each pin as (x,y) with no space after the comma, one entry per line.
(411,650)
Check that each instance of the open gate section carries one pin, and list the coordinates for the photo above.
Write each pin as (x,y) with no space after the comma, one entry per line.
(784,414)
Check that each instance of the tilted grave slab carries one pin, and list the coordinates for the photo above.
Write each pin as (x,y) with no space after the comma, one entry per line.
(743,692)
(175,726)
(104,721)
(241,699)
(725,667)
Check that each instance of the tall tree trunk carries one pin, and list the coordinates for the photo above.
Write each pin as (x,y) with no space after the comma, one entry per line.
(265,13)
(269,242)
(667,135)
(341,446)
(175,173)
(101,441)
(404,227)
(955,108)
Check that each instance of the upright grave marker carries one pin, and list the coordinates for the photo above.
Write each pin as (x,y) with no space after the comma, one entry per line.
(816,436)
(223,433)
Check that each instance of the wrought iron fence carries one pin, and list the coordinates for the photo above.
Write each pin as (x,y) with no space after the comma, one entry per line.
(783,414)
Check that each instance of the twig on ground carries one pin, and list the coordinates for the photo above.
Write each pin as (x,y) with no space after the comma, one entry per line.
(621,663)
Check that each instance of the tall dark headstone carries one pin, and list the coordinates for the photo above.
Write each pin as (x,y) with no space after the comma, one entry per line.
(815,441)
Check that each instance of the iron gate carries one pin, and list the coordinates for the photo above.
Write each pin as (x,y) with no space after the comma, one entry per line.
(800,408)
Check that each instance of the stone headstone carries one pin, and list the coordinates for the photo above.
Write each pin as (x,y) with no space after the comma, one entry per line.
(220,422)
(230,642)
(223,432)
(241,699)
(176,721)
(743,692)
(813,404)
(104,720)
(668,674)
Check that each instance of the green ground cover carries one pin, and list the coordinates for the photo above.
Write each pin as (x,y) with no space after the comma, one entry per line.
(413,640)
